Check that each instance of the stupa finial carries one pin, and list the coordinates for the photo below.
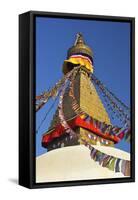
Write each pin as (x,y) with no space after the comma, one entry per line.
(79,39)
(80,47)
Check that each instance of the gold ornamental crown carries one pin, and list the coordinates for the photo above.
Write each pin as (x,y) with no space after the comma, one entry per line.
(80,47)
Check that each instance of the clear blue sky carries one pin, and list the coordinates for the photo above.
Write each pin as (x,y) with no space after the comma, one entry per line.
(110,42)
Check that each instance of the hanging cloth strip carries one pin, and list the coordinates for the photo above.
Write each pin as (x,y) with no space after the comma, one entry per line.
(99,82)
(112,163)
(80,60)
(43,98)
(122,112)
(63,122)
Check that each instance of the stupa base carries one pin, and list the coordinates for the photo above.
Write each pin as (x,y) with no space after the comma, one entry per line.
(74,163)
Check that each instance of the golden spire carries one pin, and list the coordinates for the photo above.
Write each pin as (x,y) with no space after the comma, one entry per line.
(80,47)
(79,54)
(79,39)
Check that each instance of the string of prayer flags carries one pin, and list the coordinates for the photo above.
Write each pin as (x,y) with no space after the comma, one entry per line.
(112,163)
(61,114)
(42,99)
(121,113)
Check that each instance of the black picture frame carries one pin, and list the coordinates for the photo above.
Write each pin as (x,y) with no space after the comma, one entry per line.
(27,98)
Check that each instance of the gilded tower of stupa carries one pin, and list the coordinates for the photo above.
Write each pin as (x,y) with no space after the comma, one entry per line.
(80,55)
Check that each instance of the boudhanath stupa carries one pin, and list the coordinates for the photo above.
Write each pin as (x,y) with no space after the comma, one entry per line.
(81,138)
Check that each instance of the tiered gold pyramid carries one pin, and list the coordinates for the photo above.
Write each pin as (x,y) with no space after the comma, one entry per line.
(88,100)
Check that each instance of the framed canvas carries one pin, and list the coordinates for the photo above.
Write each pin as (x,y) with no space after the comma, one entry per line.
(76,99)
